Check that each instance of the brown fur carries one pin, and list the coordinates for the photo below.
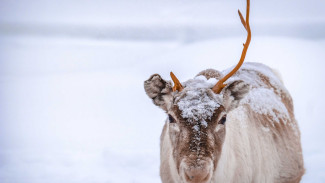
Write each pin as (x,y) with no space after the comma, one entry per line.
(237,155)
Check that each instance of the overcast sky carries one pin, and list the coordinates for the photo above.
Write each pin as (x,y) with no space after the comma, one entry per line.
(161,20)
(128,11)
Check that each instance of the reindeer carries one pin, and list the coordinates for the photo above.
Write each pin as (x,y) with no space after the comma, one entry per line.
(238,127)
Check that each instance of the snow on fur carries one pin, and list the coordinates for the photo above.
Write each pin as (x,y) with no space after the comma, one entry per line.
(264,101)
(261,99)
(197,103)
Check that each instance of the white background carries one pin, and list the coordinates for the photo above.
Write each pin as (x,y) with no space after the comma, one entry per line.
(72,104)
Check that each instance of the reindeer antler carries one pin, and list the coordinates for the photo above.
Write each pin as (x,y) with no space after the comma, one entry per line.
(220,84)
(177,85)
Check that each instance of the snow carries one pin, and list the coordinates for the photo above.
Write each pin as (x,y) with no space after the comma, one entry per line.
(261,98)
(204,123)
(196,128)
(72,104)
(197,101)
(265,129)
(264,101)
(66,120)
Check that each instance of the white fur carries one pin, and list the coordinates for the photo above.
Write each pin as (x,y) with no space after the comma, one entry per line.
(168,170)
(254,150)
(249,154)
(242,159)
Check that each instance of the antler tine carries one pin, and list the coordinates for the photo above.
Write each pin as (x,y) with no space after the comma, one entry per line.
(220,84)
(177,85)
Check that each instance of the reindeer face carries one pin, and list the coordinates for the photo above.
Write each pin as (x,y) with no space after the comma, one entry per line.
(196,127)
(196,122)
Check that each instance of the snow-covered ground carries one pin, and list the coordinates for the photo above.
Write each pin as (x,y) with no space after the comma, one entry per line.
(72,104)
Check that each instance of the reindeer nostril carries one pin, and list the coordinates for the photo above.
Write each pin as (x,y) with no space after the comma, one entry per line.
(189,177)
(196,175)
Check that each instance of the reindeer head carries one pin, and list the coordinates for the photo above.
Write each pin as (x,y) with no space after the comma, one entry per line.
(196,121)
(197,114)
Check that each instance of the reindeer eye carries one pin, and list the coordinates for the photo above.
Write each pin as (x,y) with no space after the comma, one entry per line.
(171,119)
(223,120)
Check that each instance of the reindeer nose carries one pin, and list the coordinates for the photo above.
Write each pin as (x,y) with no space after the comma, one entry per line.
(197,175)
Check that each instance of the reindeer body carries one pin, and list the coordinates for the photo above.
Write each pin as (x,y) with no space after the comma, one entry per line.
(262,143)
(266,144)
(240,128)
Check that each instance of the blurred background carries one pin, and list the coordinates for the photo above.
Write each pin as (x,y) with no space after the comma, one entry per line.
(72,104)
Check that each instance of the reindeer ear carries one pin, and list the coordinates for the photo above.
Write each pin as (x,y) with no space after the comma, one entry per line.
(159,91)
(233,93)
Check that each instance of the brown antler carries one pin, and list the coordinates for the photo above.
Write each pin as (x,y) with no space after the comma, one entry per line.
(220,85)
(177,85)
